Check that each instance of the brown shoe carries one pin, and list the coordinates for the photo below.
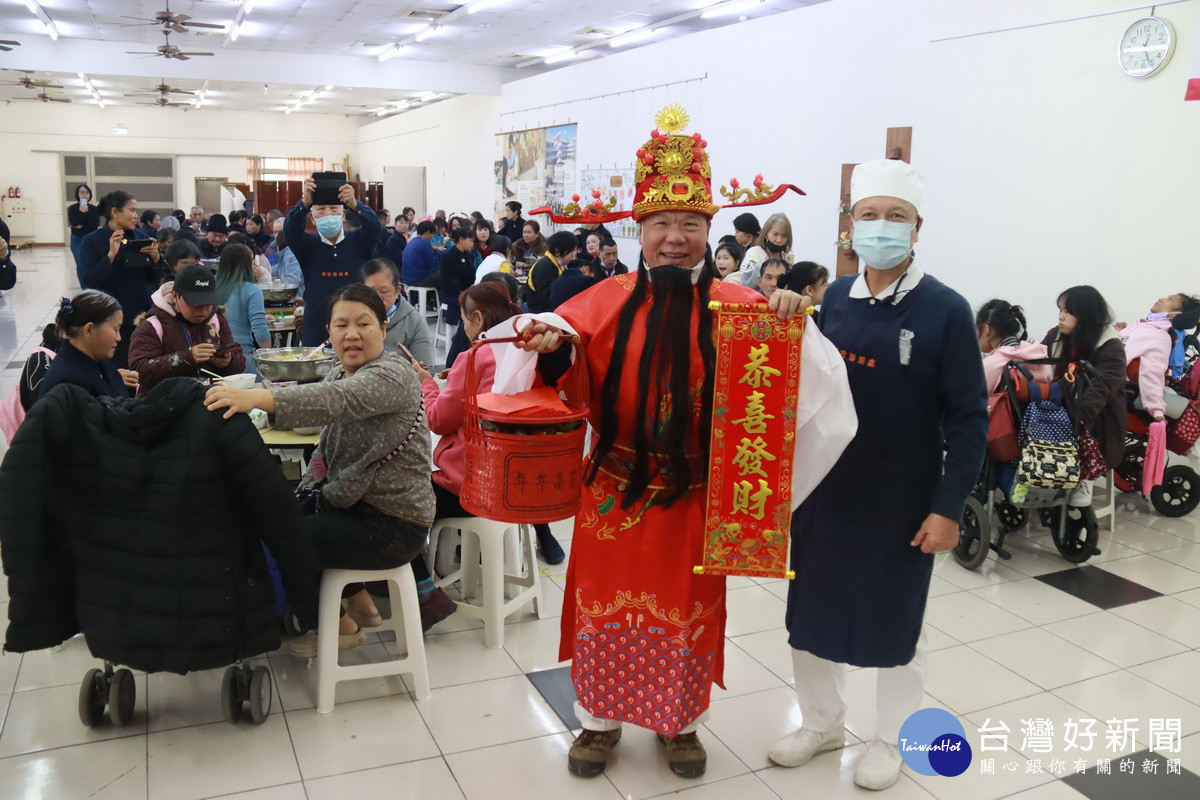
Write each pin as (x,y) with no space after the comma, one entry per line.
(589,752)
(685,755)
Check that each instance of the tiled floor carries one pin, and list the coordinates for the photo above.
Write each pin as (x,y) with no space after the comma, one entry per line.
(1026,638)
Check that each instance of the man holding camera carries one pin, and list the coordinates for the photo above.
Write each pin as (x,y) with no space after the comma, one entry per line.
(331,257)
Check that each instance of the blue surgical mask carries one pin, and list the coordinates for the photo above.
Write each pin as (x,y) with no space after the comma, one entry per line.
(329,226)
(1154,316)
(882,244)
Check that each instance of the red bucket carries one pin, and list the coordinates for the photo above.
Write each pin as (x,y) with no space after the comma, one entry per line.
(533,476)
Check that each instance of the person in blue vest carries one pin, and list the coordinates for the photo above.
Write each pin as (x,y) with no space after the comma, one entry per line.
(863,568)
(331,257)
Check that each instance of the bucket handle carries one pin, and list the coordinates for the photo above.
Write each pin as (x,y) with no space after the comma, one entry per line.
(576,387)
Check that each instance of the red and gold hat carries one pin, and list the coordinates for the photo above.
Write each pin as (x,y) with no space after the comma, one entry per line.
(672,174)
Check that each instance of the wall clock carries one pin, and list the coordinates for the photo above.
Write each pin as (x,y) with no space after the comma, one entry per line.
(1146,47)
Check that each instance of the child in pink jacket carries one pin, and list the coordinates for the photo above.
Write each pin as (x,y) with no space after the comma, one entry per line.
(1149,342)
(1002,330)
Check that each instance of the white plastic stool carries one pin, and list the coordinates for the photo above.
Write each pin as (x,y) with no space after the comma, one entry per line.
(483,560)
(422,293)
(405,621)
(443,331)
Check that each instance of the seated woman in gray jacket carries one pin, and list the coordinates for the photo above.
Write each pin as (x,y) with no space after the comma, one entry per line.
(372,464)
(405,325)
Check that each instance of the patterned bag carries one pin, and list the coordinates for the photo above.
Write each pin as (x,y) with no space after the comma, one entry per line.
(1091,460)
(1182,433)
(1049,450)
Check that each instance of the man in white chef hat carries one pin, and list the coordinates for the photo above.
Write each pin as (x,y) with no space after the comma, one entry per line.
(863,543)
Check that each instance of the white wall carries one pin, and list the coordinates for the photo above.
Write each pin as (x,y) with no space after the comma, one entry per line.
(229,135)
(1046,166)
(453,140)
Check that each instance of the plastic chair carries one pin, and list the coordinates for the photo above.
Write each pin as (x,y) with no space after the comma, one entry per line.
(483,561)
(405,621)
(421,301)
(443,332)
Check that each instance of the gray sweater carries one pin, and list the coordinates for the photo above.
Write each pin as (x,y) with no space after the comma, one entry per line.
(407,325)
(364,417)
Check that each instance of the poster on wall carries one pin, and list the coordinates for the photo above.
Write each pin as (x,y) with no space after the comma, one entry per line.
(536,167)
(616,183)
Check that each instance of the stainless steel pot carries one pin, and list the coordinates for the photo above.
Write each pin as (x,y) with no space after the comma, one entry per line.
(280,292)
(302,371)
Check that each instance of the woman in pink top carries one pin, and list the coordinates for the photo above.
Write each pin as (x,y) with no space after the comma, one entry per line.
(1002,330)
(483,306)
(1149,342)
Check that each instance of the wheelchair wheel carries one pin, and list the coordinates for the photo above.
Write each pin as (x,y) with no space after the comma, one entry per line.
(1077,542)
(259,699)
(974,536)
(291,622)
(1012,518)
(231,695)
(93,697)
(122,693)
(1179,493)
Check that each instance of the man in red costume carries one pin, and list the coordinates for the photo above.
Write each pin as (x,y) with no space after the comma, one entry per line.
(644,634)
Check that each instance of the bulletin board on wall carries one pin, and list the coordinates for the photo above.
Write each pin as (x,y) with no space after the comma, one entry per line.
(616,183)
(536,167)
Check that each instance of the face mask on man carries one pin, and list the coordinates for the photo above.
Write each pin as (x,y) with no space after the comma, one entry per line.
(329,226)
(882,244)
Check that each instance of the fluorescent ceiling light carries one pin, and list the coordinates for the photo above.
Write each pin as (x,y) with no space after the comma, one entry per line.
(432,30)
(329,88)
(731,8)
(248,6)
(559,57)
(426,95)
(480,5)
(49,28)
(235,31)
(392,51)
(636,35)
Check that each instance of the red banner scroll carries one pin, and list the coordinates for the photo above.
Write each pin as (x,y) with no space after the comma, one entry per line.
(749,511)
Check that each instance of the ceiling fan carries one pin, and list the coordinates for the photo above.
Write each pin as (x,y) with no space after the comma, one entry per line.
(167,50)
(30,83)
(163,101)
(7,45)
(45,98)
(180,23)
(161,89)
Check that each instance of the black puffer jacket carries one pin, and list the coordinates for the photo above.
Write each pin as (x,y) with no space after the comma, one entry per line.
(138,522)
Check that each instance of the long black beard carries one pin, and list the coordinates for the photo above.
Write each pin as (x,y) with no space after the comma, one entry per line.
(663,381)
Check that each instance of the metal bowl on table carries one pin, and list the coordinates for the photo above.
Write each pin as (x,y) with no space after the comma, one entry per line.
(280,292)
(289,364)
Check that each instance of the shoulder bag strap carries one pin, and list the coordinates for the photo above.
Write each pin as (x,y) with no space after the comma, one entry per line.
(412,431)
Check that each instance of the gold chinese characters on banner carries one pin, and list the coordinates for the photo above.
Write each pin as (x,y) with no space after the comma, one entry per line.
(749,509)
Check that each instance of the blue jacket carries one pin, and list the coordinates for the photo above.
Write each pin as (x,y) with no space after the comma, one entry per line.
(97,378)
(131,286)
(327,267)
(8,270)
(419,260)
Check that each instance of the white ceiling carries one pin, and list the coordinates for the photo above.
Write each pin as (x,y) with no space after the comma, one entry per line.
(497,44)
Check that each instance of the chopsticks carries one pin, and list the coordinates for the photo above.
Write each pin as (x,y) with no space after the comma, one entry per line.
(213,374)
